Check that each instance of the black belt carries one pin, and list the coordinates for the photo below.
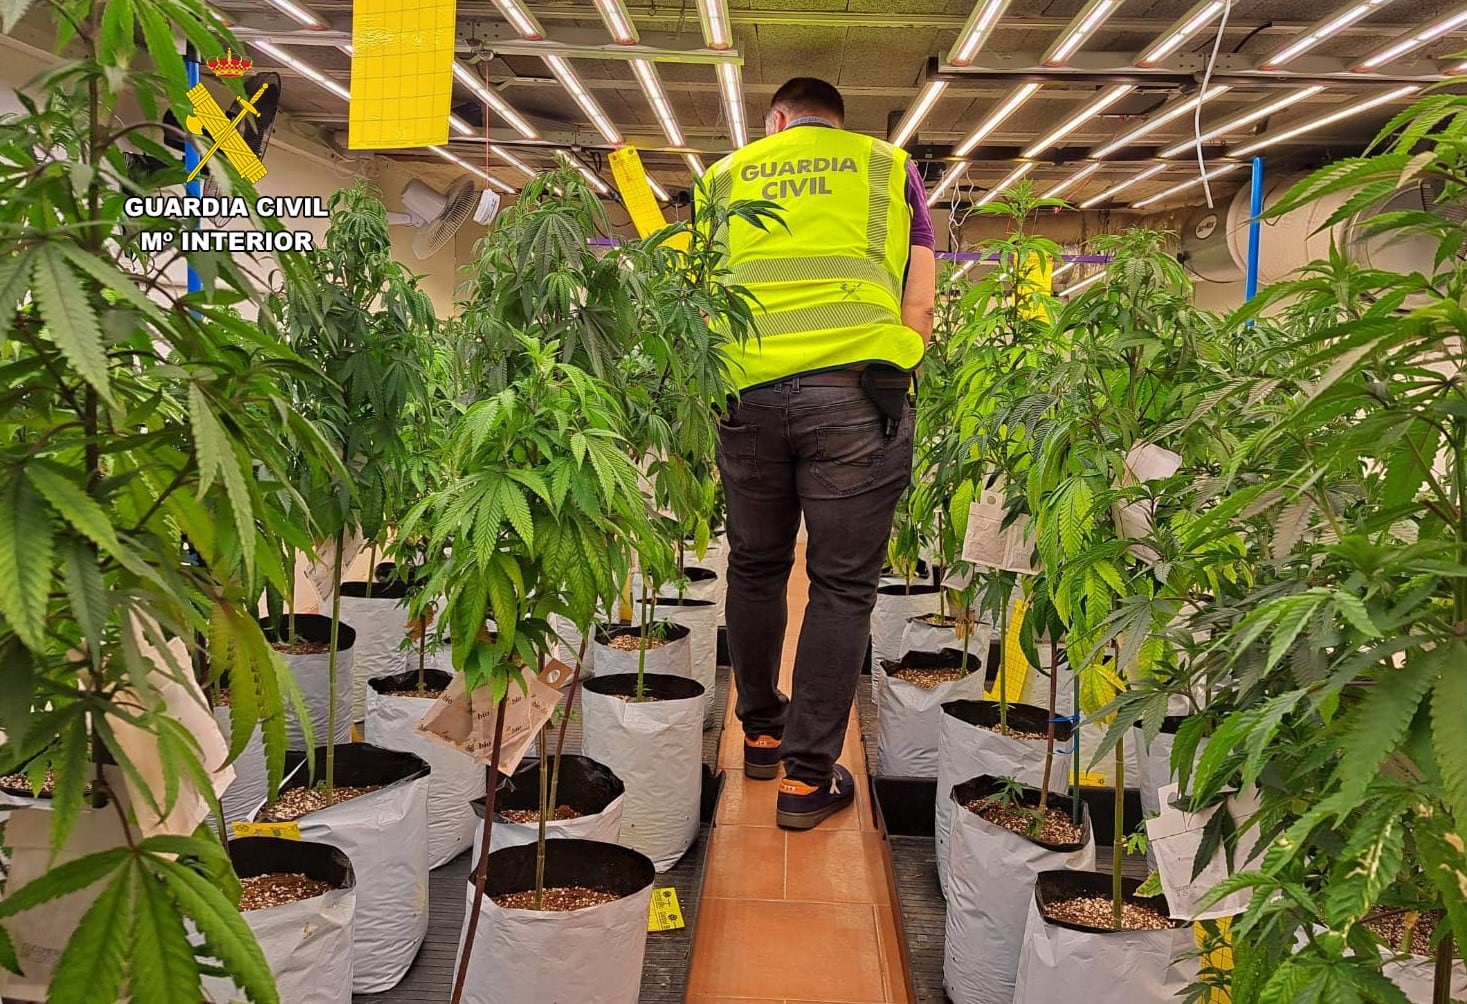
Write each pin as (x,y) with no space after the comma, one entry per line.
(831,378)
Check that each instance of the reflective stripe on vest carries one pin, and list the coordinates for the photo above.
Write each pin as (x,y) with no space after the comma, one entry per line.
(827,283)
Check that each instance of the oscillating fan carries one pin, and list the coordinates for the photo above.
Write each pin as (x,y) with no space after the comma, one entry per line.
(438,215)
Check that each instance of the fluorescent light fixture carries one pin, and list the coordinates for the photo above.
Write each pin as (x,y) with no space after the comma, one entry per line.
(694,164)
(297,13)
(1119,187)
(1236,123)
(1062,270)
(1102,101)
(646,75)
(996,118)
(1083,283)
(657,189)
(917,112)
(1351,108)
(459,126)
(976,29)
(952,175)
(1072,180)
(568,78)
(1212,175)
(511,160)
(1176,36)
(1413,40)
(618,21)
(1156,121)
(495,101)
(1091,16)
(520,19)
(592,178)
(1322,30)
(303,68)
(506,189)
(1004,185)
(714,15)
(731,82)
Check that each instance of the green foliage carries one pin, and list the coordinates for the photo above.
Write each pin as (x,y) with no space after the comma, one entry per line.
(135,418)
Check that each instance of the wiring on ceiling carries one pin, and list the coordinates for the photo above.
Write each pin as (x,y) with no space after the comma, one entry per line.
(1202,99)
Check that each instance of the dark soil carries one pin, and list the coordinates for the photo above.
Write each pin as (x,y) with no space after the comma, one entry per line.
(1056,829)
(429,694)
(19,784)
(264,891)
(1390,928)
(576,897)
(927,679)
(1095,911)
(302,646)
(562,813)
(296,802)
(633,643)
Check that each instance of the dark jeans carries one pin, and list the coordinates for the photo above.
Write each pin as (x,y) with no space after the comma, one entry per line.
(820,450)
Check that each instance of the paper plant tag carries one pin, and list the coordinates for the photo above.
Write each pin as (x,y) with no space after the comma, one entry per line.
(556,674)
(285,831)
(664,914)
(524,715)
(465,720)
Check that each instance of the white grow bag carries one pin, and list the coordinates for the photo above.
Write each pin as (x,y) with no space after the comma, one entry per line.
(894,607)
(1175,836)
(700,617)
(251,784)
(306,943)
(991,873)
(385,834)
(920,636)
(581,956)
(585,785)
(313,676)
(966,749)
(655,748)
(1063,963)
(381,624)
(908,717)
(1416,975)
(455,779)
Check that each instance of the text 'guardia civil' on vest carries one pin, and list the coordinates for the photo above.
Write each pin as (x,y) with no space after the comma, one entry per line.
(805,176)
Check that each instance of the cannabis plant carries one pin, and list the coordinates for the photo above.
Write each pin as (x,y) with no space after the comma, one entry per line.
(134,416)
(368,325)
(1348,683)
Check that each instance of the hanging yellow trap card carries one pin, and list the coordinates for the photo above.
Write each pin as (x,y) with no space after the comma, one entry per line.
(401,73)
(636,195)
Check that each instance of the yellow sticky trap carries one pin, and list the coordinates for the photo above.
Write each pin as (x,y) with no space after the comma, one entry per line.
(1015,664)
(636,193)
(1035,279)
(285,831)
(664,914)
(1217,956)
(401,73)
(1090,779)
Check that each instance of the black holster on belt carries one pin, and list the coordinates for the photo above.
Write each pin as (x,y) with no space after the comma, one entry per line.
(887,388)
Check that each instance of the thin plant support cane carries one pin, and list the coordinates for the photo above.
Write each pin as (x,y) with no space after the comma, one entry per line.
(1048,738)
(649,589)
(481,867)
(1003,674)
(1441,980)
(1074,745)
(544,814)
(1118,835)
(570,705)
(331,669)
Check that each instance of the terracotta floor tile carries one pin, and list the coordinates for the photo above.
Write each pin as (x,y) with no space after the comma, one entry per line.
(797,951)
(735,1000)
(893,958)
(747,863)
(751,803)
(836,866)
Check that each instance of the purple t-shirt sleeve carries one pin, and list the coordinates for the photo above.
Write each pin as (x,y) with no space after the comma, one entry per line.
(922,234)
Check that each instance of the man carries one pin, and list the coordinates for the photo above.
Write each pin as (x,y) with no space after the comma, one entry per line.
(823,424)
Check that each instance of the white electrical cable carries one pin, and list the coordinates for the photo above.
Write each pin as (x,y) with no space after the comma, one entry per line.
(1222,28)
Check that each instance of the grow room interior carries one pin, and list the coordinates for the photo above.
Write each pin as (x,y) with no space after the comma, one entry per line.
(363,594)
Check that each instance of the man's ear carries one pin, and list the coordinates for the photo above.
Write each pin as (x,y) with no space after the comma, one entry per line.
(775,121)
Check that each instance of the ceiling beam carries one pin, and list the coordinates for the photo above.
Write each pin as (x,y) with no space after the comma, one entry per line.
(518,47)
(1184,69)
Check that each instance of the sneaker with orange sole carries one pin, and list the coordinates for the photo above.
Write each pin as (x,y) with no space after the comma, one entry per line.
(761,757)
(804,806)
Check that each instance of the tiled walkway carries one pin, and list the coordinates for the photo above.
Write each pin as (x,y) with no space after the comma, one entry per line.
(793,917)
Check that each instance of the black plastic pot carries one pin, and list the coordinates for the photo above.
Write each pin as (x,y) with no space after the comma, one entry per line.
(1024,717)
(985,786)
(433,679)
(254,856)
(308,627)
(658,686)
(697,573)
(917,588)
(606,633)
(681,601)
(392,589)
(361,764)
(585,785)
(312,674)
(1057,886)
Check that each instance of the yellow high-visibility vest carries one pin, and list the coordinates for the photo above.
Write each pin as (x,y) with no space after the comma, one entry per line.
(828,283)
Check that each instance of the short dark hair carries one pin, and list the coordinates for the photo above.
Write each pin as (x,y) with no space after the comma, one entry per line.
(809,96)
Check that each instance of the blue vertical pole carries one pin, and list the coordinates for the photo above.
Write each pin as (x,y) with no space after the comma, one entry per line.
(1255,228)
(191,152)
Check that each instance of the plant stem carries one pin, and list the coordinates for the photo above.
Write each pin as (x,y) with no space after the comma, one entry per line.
(423,658)
(1118,835)
(1049,738)
(331,669)
(646,636)
(371,568)
(1074,742)
(1003,674)
(1441,984)
(570,704)
(545,811)
(481,869)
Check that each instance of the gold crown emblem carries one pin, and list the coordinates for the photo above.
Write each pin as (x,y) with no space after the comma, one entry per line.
(229,65)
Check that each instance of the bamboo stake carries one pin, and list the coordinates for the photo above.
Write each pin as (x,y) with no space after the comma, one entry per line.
(481,869)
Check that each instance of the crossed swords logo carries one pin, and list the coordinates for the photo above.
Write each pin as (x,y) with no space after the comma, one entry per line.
(209,122)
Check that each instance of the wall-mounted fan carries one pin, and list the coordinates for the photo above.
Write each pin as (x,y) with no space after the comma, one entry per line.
(438,215)
(255,129)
